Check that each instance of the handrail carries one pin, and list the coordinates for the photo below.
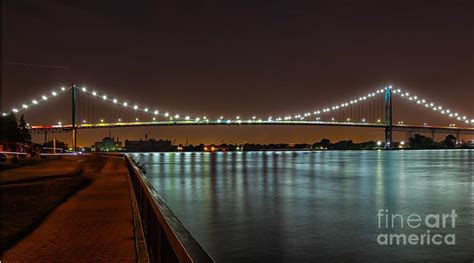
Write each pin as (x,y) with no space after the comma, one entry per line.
(166,237)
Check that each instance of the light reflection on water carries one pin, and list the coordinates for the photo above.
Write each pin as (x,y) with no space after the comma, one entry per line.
(314,206)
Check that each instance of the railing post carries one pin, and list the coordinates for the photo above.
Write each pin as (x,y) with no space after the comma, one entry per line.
(388,118)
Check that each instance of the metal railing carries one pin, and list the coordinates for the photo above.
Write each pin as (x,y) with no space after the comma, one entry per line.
(167,240)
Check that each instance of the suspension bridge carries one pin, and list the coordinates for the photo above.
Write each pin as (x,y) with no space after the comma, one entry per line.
(372,110)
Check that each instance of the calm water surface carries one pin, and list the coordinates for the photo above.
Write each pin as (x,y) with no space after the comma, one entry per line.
(316,206)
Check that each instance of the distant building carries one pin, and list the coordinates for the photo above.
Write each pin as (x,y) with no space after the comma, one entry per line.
(108,144)
(150,145)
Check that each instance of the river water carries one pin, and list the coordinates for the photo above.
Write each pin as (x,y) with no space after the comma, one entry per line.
(321,206)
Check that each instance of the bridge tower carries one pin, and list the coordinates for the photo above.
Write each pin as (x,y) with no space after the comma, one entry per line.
(388,118)
(73,118)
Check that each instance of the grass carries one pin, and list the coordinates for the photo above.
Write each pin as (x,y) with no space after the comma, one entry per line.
(24,206)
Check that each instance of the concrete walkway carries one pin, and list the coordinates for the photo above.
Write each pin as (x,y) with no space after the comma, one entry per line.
(94,225)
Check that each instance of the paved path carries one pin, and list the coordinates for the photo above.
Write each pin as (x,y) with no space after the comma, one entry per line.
(94,225)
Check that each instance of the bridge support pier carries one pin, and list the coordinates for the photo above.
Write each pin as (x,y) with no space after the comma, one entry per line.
(408,136)
(45,136)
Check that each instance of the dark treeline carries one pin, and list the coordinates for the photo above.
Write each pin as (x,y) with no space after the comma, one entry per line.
(12,130)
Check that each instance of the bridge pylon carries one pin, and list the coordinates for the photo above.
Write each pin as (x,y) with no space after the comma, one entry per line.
(73,118)
(388,118)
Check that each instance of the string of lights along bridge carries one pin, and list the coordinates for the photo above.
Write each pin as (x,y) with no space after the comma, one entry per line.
(94,109)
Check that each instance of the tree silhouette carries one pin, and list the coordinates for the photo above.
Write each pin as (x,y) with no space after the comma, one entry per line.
(25,135)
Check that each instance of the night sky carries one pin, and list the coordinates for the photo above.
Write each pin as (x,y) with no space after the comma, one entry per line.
(240,58)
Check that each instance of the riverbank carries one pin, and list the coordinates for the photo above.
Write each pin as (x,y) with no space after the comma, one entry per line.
(95,224)
(28,194)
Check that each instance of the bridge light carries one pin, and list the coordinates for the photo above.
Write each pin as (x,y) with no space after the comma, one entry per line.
(34,101)
(125,104)
(402,143)
(146,109)
(63,88)
(154,118)
(472,120)
(101,120)
(456,114)
(238,117)
(379,143)
(136,119)
(84,89)
(44,97)
(94,93)
(378,120)
(84,121)
(115,100)
(54,93)
(135,107)
(186,118)
(198,119)
(348,119)
(167,114)
(104,97)
(59,123)
(4,114)
(464,117)
(14,110)
(119,120)
(156,112)
(176,116)
(363,120)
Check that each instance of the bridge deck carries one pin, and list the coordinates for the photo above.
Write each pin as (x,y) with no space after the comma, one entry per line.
(398,127)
